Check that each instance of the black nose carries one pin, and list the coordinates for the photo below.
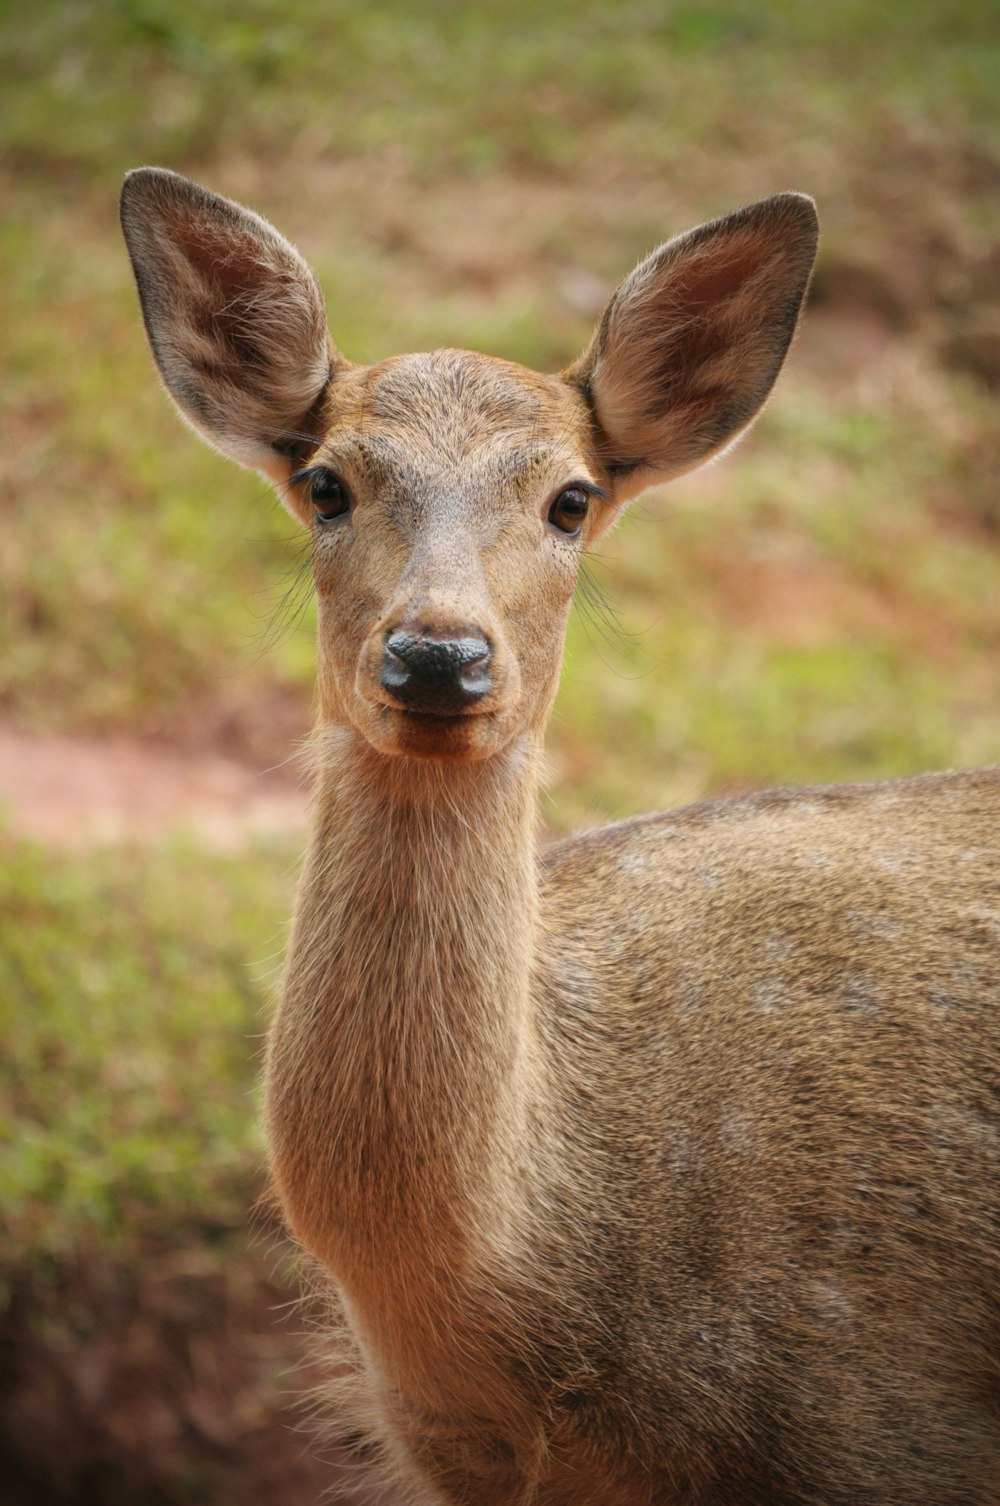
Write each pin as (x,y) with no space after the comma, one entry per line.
(440,676)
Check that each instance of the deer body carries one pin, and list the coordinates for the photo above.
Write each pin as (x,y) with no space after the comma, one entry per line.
(659,1165)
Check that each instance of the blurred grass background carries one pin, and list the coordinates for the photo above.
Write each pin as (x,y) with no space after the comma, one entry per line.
(823,604)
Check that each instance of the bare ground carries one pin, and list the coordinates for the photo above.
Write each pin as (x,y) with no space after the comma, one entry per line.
(75,791)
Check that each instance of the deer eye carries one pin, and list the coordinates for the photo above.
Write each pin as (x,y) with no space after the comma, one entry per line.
(328,495)
(569,510)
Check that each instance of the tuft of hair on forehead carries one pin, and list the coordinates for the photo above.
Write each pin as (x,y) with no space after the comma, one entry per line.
(451,401)
(483,390)
(691,342)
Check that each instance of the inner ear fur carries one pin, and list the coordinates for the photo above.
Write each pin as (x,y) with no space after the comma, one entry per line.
(235,319)
(691,342)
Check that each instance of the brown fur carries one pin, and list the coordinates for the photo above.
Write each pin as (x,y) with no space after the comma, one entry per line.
(660,1166)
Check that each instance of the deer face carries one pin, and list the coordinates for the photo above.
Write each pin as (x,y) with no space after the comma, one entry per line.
(450,496)
(449,501)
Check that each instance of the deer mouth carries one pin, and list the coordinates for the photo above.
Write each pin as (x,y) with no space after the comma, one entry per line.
(461,736)
(446,718)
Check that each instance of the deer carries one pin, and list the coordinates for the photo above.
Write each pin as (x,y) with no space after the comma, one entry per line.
(654,1166)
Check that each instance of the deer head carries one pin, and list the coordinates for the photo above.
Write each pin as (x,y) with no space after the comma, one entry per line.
(451,496)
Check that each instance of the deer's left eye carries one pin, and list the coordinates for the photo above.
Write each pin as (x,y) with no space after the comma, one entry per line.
(569,510)
(328,495)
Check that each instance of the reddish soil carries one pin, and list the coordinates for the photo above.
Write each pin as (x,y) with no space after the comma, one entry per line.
(77,791)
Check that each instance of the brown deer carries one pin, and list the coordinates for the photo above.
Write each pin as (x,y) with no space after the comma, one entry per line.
(660,1165)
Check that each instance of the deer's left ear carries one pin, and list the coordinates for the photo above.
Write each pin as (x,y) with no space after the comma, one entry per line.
(692,341)
(235,319)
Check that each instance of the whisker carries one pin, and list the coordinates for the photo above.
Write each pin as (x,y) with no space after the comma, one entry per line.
(282,621)
(278,620)
(602,623)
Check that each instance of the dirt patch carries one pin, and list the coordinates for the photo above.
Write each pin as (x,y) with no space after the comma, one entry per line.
(76,791)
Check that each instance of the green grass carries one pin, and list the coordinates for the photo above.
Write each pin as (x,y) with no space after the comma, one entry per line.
(186,81)
(134,993)
(796,621)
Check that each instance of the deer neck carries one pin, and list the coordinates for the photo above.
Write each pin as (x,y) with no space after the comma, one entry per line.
(401,1060)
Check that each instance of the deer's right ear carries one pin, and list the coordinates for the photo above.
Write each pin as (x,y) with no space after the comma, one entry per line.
(235,318)
(693,339)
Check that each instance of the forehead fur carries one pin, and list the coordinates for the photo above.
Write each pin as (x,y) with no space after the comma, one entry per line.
(449,403)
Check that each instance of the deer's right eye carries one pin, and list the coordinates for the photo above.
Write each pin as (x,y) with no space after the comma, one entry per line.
(328,495)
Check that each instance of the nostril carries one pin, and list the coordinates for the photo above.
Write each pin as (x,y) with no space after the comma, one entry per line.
(395,674)
(474,673)
(440,675)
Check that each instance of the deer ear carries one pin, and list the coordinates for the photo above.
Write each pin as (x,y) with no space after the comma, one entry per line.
(692,341)
(234,316)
